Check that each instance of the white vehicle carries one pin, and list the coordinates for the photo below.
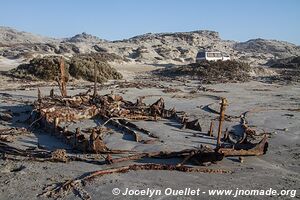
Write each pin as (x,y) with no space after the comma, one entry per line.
(211,56)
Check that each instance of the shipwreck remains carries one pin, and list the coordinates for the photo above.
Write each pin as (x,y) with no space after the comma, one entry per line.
(64,116)
(55,112)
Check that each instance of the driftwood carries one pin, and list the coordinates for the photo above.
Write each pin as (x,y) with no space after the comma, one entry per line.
(76,185)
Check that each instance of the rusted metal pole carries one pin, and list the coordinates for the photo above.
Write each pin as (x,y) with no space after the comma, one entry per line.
(39,95)
(56,123)
(95,81)
(52,93)
(210,133)
(221,119)
(226,134)
(63,78)
(76,135)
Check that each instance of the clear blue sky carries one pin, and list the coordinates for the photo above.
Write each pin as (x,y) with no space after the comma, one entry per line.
(117,19)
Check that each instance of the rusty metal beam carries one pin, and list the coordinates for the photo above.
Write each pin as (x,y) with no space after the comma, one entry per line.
(257,149)
(211,127)
(221,119)
(95,81)
(63,77)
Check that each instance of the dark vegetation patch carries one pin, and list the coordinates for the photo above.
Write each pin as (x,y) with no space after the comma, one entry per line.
(284,77)
(290,63)
(46,68)
(80,66)
(288,70)
(83,67)
(210,72)
(102,56)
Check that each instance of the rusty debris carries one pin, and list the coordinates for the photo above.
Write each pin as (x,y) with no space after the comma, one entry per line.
(246,149)
(171,90)
(6,116)
(210,132)
(221,119)
(194,124)
(95,81)
(114,110)
(7,138)
(9,134)
(76,185)
(55,112)
(63,78)
(59,155)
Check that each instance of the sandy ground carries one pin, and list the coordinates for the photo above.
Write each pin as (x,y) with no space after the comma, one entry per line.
(129,71)
(7,64)
(272,110)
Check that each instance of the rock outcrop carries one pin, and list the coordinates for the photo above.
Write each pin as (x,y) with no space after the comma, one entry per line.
(150,48)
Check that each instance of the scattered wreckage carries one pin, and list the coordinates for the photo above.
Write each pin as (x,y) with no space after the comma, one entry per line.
(54,113)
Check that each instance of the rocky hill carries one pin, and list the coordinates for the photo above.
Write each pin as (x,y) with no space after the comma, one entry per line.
(9,36)
(84,37)
(150,48)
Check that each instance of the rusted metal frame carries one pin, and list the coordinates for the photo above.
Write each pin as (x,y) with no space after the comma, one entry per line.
(51,118)
(123,128)
(181,117)
(134,126)
(66,114)
(197,156)
(246,149)
(76,139)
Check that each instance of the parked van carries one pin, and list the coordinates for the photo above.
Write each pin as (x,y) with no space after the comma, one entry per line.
(211,56)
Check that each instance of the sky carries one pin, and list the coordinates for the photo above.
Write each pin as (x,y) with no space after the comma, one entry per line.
(238,20)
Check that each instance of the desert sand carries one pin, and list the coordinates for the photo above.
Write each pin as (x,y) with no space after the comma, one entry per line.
(273,109)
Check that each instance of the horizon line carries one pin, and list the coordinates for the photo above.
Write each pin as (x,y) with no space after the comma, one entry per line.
(141,34)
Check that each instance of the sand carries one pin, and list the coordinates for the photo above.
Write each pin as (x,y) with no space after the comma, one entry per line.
(269,103)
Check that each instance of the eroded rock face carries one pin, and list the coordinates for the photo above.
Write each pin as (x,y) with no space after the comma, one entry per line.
(84,37)
(9,36)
